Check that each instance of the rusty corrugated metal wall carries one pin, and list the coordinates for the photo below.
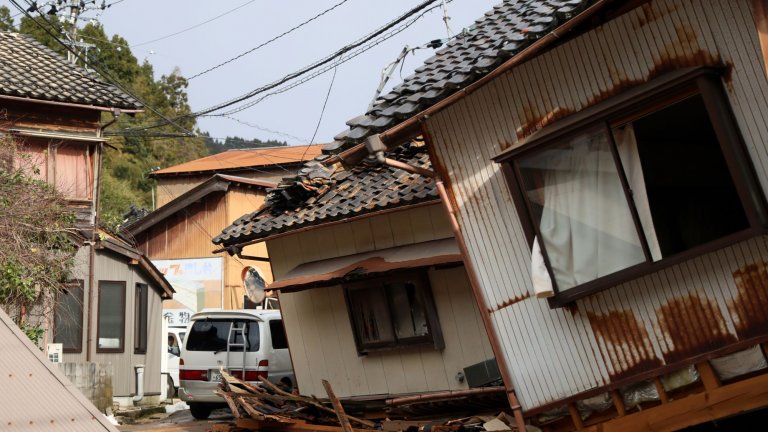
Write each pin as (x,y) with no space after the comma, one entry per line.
(662,318)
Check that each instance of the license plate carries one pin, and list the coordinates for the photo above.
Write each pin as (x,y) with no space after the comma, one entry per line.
(215,375)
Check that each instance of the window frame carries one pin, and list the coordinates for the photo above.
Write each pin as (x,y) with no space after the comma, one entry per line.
(141,318)
(424,290)
(81,300)
(121,348)
(628,106)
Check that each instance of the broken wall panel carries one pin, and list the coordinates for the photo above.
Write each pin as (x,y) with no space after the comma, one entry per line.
(636,326)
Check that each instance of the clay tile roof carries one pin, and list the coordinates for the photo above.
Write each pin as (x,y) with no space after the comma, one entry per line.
(246,158)
(341,194)
(500,34)
(31,70)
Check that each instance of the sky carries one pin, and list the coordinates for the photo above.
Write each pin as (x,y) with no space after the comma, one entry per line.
(292,116)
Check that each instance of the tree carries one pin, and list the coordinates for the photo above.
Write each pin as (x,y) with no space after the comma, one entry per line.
(36,230)
(6,22)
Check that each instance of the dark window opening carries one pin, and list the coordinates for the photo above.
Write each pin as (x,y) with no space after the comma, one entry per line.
(393,312)
(212,334)
(686,177)
(277,330)
(141,319)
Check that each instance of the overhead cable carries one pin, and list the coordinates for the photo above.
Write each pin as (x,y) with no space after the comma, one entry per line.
(263,44)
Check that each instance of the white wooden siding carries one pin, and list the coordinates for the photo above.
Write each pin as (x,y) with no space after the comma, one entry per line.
(557,353)
(318,326)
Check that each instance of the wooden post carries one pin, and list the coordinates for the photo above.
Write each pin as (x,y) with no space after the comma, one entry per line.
(343,420)
(663,396)
(618,402)
(708,376)
(575,416)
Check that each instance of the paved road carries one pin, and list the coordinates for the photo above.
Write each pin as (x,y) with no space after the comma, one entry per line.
(181,421)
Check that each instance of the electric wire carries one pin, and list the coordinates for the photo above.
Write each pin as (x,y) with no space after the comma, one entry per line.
(362,45)
(194,26)
(263,44)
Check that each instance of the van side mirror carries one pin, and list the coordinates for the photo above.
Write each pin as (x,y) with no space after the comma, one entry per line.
(175,351)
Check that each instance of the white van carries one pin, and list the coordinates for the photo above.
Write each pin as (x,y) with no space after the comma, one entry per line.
(175,340)
(249,343)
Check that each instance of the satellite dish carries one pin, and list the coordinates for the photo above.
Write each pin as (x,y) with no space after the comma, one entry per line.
(253,281)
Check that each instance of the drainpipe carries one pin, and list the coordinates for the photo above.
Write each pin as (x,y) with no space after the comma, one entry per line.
(139,372)
(480,298)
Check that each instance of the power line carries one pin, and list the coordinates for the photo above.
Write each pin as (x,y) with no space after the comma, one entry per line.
(360,44)
(112,80)
(263,44)
(320,120)
(194,26)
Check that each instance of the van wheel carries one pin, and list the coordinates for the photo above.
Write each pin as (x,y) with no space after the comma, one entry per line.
(287,384)
(170,392)
(200,411)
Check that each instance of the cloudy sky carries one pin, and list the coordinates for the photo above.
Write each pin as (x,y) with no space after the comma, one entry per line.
(221,30)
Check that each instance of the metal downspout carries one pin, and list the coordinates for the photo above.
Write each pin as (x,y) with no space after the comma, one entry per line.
(480,299)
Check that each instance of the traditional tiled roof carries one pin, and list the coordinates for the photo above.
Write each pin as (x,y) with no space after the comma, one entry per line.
(29,69)
(339,195)
(497,36)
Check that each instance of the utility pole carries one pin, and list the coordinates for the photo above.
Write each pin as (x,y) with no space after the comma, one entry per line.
(74,14)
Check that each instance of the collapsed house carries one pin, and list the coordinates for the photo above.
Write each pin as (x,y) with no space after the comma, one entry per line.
(372,289)
(603,162)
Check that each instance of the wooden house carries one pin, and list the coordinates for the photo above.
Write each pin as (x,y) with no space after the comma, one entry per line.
(605,162)
(268,164)
(177,238)
(372,289)
(109,321)
(196,200)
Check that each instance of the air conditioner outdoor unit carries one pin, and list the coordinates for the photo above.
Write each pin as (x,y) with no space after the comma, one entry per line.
(483,374)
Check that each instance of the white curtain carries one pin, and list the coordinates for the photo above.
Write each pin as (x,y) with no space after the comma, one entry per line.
(586,226)
(630,160)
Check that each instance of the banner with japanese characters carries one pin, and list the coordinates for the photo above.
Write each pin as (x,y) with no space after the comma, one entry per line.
(198,283)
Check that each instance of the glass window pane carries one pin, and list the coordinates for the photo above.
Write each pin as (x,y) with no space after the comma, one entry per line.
(211,335)
(579,204)
(408,310)
(277,331)
(370,313)
(68,318)
(111,315)
(679,208)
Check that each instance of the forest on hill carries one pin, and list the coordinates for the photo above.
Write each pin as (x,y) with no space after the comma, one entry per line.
(124,181)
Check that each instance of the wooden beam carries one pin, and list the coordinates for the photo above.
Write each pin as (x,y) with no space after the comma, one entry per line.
(343,420)
(698,408)
(708,376)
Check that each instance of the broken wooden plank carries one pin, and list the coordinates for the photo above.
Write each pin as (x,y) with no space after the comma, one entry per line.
(232,405)
(314,402)
(343,419)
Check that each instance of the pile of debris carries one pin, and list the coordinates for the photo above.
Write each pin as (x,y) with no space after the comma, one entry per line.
(271,408)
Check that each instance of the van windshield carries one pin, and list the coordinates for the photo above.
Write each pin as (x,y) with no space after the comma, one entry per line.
(211,335)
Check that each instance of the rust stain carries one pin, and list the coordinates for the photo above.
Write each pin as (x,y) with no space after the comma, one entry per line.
(692,326)
(750,308)
(510,302)
(649,13)
(626,343)
(534,122)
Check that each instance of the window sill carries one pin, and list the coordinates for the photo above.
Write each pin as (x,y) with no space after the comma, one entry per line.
(401,347)
(568,297)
